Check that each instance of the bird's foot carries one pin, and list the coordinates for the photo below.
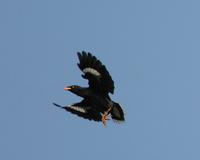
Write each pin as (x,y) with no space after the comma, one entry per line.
(105,116)
(109,109)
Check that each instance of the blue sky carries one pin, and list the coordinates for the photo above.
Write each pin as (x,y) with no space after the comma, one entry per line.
(151,49)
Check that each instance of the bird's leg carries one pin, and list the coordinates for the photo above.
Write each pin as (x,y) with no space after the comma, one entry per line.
(105,116)
(104,119)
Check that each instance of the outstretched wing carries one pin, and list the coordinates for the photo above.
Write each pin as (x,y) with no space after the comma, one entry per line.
(96,73)
(82,109)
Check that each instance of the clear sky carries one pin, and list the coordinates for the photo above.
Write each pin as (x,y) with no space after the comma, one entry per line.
(150,47)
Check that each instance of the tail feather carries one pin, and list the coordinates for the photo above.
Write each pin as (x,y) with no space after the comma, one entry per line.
(117,112)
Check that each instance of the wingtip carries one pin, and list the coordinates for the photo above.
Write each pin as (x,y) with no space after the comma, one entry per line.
(57,105)
(79,55)
(84,52)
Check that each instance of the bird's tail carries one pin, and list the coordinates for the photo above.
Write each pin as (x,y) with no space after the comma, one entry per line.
(117,112)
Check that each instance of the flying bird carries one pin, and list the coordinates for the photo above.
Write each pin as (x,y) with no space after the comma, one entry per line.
(96,104)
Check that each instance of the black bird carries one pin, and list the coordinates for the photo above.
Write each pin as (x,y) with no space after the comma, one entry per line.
(96,104)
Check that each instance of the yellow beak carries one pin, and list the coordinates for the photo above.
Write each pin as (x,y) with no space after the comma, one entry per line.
(67,88)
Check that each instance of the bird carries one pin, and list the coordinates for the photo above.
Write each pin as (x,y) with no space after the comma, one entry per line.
(96,104)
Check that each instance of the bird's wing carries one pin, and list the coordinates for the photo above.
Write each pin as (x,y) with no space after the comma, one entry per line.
(96,73)
(82,109)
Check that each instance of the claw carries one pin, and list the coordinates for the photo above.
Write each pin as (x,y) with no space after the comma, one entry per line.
(104,119)
(105,116)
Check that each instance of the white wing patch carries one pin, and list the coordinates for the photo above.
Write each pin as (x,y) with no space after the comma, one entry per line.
(92,71)
(77,108)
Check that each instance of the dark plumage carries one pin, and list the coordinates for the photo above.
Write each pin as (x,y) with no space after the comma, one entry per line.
(96,104)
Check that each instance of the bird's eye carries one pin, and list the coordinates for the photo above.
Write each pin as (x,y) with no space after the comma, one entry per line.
(74,86)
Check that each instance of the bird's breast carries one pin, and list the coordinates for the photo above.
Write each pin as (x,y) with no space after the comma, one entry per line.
(101,103)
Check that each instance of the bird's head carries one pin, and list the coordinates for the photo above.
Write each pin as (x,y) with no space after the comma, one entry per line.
(72,88)
(75,89)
